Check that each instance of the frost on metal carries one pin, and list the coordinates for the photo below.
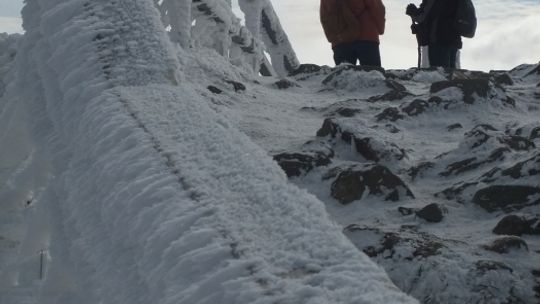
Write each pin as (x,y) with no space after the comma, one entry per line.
(213,24)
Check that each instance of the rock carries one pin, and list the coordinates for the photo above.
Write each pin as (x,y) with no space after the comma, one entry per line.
(506,197)
(391,114)
(345,112)
(285,84)
(470,87)
(237,86)
(454,126)
(419,169)
(395,86)
(214,89)
(356,68)
(372,149)
(529,167)
(390,96)
(484,266)
(502,78)
(517,143)
(506,244)
(405,211)
(474,163)
(306,69)
(329,127)
(512,225)
(298,163)
(535,133)
(433,213)
(416,107)
(351,184)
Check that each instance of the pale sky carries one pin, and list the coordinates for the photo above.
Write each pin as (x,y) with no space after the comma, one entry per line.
(508,33)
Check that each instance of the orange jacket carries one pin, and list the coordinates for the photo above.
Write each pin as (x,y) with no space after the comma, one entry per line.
(369,13)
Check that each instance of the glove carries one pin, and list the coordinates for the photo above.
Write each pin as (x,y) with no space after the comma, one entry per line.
(414,28)
(411,10)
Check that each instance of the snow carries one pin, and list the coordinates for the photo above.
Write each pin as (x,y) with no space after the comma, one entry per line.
(123,185)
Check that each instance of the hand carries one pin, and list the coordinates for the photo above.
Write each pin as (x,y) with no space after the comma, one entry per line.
(411,10)
(414,28)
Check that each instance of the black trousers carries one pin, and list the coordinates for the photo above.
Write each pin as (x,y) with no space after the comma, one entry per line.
(366,52)
(442,56)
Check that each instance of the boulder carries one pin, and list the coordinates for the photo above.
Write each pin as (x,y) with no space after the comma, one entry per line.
(470,88)
(375,150)
(454,126)
(506,197)
(390,114)
(415,107)
(214,89)
(285,84)
(306,69)
(507,244)
(237,86)
(352,184)
(298,163)
(512,225)
(433,213)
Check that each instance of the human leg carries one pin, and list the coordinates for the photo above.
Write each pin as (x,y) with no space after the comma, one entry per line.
(344,53)
(368,53)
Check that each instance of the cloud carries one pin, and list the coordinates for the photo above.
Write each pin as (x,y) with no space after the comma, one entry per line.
(10,25)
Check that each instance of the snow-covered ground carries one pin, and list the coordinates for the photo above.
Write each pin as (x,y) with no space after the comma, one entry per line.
(136,171)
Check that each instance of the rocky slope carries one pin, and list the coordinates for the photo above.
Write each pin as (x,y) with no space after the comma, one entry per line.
(434,174)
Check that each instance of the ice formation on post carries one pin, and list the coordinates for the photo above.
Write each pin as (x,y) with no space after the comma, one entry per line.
(212,23)
(129,188)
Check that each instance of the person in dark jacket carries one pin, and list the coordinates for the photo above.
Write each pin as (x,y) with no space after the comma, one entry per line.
(360,37)
(433,24)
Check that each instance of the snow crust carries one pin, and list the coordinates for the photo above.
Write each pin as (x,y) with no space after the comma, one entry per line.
(122,185)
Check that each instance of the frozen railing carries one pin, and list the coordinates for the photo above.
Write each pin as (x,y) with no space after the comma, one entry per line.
(212,23)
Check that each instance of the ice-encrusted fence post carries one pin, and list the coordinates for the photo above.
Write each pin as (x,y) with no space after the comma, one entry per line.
(176,15)
(212,23)
(263,22)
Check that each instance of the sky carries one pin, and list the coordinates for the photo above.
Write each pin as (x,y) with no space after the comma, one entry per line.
(508,33)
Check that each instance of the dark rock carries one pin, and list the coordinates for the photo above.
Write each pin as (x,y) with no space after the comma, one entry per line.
(416,107)
(535,133)
(306,69)
(419,169)
(529,167)
(391,128)
(405,211)
(484,266)
(502,79)
(285,84)
(427,249)
(506,197)
(346,112)
(470,87)
(454,126)
(214,89)
(395,86)
(432,213)
(375,150)
(341,69)
(351,184)
(296,164)
(517,143)
(391,114)
(455,191)
(506,244)
(512,225)
(479,135)
(460,167)
(390,96)
(237,86)
(329,127)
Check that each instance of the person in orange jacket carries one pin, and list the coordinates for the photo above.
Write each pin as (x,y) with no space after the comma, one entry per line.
(353,27)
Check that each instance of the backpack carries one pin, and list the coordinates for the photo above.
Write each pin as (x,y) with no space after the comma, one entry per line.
(339,23)
(465,19)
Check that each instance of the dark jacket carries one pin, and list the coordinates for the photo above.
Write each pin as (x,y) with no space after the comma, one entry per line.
(434,23)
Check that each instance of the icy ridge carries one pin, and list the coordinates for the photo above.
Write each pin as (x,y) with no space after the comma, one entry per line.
(151,197)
